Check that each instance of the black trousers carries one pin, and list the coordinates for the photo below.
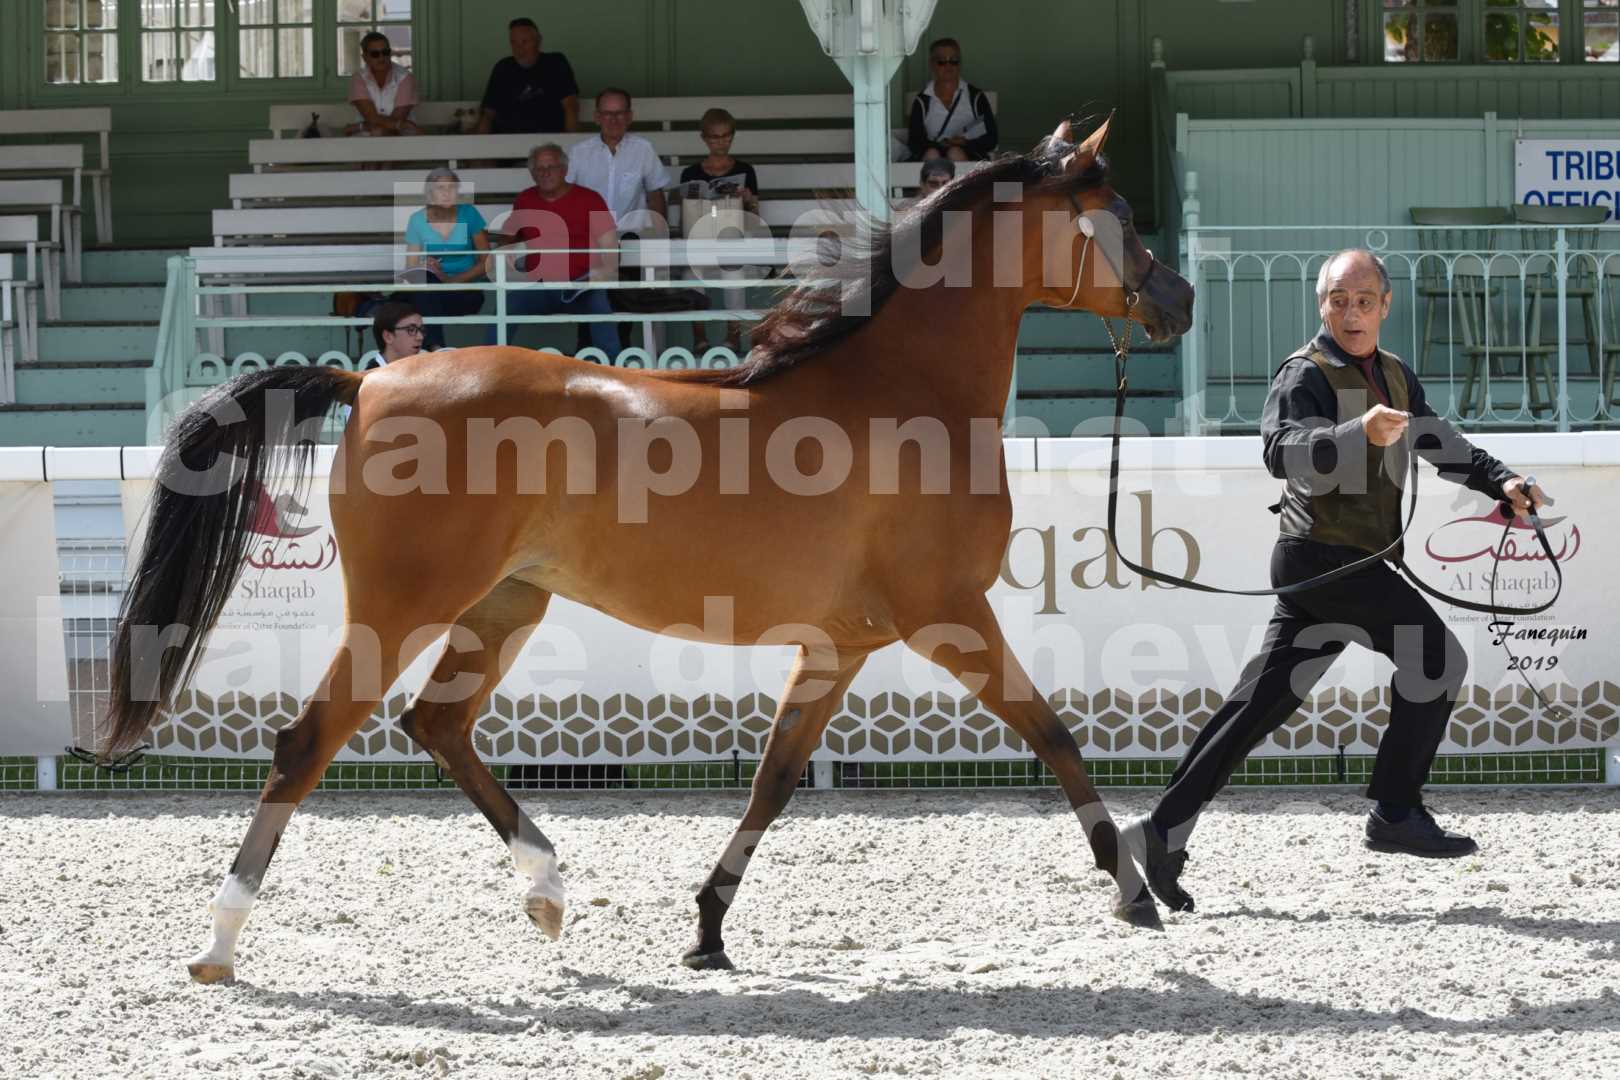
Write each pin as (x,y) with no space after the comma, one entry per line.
(449,303)
(1374,607)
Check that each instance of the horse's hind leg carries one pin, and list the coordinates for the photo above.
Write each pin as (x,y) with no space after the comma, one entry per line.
(814,691)
(994,675)
(368,661)
(478,653)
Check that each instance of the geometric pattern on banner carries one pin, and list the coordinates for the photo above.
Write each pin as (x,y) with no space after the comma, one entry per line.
(889,726)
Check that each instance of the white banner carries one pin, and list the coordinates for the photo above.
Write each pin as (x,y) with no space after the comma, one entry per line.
(1567,172)
(34,718)
(1133,668)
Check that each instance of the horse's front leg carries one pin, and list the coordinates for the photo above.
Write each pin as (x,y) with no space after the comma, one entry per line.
(966,640)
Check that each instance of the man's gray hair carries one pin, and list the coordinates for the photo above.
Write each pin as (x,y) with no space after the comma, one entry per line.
(1378,264)
(543,148)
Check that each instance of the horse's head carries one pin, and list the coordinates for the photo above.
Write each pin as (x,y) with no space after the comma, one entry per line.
(1090,256)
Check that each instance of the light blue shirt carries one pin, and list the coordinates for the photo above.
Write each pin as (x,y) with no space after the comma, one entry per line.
(469,223)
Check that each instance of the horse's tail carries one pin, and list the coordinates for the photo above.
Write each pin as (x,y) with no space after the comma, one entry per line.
(200,524)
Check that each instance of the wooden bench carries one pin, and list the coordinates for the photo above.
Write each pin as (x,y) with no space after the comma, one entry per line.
(95,121)
(452,149)
(666,112)
(354,185)
(45,197)
(20,234)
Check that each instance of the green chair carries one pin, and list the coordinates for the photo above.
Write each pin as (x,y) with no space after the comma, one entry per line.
(1454,230)
(1581,233)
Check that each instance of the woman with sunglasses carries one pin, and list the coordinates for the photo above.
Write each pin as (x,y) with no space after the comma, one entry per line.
(949,117)
(381,91)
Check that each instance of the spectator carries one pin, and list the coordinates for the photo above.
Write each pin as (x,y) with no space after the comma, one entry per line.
(949,117)
(555,214)
(623,168)
(381,91)
(719,127)
(447,238)
(529,91)
(398,330)
(935,174)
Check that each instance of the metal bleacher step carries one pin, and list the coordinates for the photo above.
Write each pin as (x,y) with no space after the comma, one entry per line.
(120,266)
(83,382)
(102,340)
(136,301)
(62,424)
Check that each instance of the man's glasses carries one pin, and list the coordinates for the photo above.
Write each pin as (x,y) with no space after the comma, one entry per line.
(378,53)
(948,61)
(615,113)
(717,136)
(413,329)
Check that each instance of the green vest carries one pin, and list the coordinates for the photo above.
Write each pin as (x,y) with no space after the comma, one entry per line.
(1369,519)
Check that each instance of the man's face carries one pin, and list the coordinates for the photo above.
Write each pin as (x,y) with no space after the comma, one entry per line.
(613,116)
(405,339)
(946,63)
(379,58)
(934,182)
(549,173)
(1355,306)
(525,41)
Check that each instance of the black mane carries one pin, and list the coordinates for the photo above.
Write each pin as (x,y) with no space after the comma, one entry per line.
(814,315)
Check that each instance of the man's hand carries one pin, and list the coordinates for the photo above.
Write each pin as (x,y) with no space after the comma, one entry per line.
(1514,491)
(1384,425)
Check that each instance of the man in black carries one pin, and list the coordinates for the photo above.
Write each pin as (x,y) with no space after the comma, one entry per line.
(529,91)
(1333,430)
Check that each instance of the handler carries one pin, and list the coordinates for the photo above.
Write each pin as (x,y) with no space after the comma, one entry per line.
(1332,430)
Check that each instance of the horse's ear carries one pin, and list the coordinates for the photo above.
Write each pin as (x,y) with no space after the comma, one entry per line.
(1088,151)
(1063,134)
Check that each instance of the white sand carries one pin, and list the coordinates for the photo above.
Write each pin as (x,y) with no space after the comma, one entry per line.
(883,934)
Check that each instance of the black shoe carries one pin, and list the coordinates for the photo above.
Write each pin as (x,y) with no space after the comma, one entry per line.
(1161,866)
(1418,835)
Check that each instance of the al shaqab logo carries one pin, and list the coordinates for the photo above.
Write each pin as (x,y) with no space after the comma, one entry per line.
(286,545)
(1467,538)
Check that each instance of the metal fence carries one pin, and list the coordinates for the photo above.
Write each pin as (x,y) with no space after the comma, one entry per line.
(1512,327)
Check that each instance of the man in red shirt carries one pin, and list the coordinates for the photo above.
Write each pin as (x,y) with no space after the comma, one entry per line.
(563,222)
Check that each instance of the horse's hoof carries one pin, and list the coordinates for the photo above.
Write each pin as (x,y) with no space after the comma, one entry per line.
(710,961)
(1141,913)
(208,972)
(545,913)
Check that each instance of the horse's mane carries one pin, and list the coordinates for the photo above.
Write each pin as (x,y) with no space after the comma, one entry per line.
(814,315)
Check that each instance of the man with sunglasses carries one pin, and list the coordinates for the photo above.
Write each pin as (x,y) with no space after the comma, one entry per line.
(381,91)
(949,117)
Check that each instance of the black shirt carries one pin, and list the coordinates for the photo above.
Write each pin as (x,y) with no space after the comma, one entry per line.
(1301,409)
(739,167)
(530,99)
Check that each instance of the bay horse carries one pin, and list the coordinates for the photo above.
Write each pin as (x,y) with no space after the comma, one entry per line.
(846,570)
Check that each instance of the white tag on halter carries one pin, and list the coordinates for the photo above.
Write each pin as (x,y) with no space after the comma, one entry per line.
(1084,224)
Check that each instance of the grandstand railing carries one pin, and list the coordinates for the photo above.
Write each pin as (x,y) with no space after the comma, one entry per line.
(1524,334)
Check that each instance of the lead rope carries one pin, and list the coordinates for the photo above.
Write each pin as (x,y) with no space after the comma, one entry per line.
(1122,349)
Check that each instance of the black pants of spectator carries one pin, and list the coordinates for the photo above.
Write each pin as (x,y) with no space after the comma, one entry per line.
(436,303)
(1374,607)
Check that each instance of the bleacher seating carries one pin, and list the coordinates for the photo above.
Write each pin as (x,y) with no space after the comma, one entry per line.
(81,121)
(438,117)
(45,197)
(19,234)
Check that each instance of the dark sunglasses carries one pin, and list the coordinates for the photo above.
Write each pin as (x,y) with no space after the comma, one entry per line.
(374,53)
(951,61)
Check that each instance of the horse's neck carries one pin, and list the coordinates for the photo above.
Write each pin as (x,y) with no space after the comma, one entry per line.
(955,344)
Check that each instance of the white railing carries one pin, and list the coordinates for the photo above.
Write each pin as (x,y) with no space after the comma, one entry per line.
(1519,329)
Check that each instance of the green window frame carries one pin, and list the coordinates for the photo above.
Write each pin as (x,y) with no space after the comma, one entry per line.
(1523,32)
(178,43)
(357,18)
(80,42)
(275,39)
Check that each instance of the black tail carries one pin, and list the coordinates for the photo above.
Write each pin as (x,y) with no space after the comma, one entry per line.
(219,454)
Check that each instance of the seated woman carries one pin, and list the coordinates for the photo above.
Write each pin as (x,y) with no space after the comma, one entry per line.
(949,117)
(448,239)
(719,128)
(381,91)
